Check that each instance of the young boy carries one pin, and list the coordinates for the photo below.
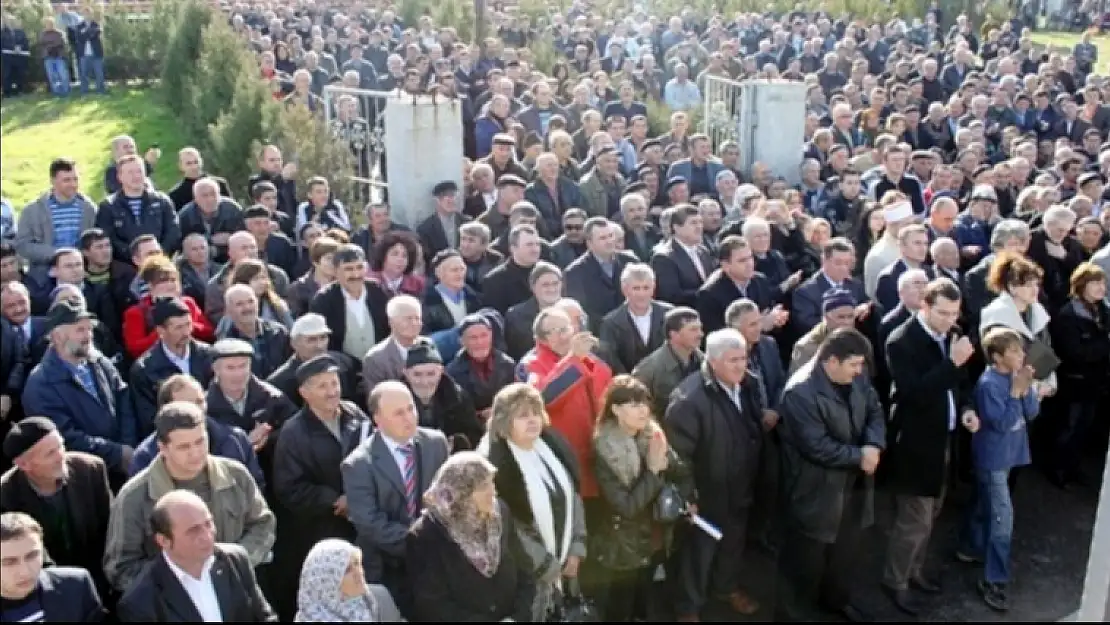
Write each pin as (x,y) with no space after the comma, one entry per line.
(1006,402)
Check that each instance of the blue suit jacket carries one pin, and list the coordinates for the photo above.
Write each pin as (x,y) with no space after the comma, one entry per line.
(886,292)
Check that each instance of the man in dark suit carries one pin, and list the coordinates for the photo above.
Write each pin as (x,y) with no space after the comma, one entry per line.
(594,280)
(47,479)
(507,285)
(911,287)
(175,352)
(440,231)
(1069,126)
(682,263)
(32,594)
(636,328)
(913,249)
(221,583)
(385,478)
(736,278)
(926,363)
(343,301)
(838,257)
(546,284)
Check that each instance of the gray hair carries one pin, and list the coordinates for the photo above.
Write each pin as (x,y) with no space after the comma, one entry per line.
(754,225)
(398,304)
(940,243)
(632,198)
(1059,215)
(910,275)
(510,402)
(1008,230)
(738,309)
(475,229)
(637,271)
(541,318)
(236,290)
(720,341)
(207,182)
(568,304)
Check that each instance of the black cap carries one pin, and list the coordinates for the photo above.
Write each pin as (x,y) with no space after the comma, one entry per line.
(447,187)
(443,255)
(256,211)
(1089,177)
(636,187)
(323,363)
(232,348)
(25,434)
(674,181)
(167,308)
(64,314)
(423,352)
(475,319)
(651,143)
(511,180)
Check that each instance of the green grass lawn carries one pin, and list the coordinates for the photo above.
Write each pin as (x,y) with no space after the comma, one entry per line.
(35,129)
(1068,40)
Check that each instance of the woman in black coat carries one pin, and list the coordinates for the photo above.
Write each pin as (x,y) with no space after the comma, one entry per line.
(1081,340)
(463,552)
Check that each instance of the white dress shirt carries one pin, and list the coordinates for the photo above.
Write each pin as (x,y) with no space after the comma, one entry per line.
(642,323)
(202,591)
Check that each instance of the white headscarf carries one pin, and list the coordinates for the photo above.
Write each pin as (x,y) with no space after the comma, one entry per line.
(319,598)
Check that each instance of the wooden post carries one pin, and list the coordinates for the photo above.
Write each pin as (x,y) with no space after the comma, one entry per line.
(479,23)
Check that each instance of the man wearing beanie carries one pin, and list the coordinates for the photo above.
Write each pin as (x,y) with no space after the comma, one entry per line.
(440,403)
(838,310)
(66,492)
(81,392)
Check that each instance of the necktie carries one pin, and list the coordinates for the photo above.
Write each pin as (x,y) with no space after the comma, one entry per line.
(409,477)
(22,337)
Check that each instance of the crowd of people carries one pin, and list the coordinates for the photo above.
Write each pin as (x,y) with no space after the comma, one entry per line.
(595,374)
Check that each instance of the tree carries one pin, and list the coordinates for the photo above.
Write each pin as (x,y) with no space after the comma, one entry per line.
(306,138)
(180,67)
(221,62)
(236,137)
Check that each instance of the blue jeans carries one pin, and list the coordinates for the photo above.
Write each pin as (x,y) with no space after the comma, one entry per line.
(90,65)
(989,525)
(57,74)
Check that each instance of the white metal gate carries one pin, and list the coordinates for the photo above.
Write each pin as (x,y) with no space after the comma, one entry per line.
(357,116)
(721,117)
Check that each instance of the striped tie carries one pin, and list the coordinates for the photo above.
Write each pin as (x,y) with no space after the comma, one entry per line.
(410,479)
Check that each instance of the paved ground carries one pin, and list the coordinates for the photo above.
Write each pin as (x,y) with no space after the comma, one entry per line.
(1052,538)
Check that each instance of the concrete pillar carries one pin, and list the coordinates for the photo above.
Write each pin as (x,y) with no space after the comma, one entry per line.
(772,125)
(1095,605)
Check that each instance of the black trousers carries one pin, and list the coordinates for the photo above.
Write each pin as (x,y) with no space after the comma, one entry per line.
(815,576)
(709,568)
(629,595)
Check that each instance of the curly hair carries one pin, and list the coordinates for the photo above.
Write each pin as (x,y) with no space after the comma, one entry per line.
(1012,269)
(388,241)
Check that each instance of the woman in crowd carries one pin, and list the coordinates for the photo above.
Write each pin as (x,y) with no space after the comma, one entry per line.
(333,588)
(537,478)
(1081,338)
(634,464)
(393,264)
(1017,282)
(869,229)
(162,280)
(463,552)
(271,307)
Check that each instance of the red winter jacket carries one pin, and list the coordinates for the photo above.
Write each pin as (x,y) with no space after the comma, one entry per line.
(139,334)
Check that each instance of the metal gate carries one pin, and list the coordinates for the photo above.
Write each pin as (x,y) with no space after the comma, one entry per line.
(721,117)
(356,116)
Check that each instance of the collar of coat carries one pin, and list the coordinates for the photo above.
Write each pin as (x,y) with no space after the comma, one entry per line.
(159,482)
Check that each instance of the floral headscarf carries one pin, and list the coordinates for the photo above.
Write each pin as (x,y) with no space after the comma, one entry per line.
(450,500)
(319,599)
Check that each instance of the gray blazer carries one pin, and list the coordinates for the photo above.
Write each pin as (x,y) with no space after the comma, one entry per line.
(383,362)
(34,236)
(376,495)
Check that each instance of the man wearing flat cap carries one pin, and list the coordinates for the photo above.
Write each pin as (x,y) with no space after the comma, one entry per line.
(239,398)
(510,191)
(309,339)
(311,447)
(440,231)
(502,158)
(601,188)
(175,352)
(440,403)
(67,492)
(79,389)
(480,368)
(838,310)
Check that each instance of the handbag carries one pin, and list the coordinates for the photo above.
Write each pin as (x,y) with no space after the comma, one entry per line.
(669,504)
(571,606)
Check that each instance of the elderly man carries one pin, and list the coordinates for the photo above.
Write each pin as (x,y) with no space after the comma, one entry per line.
(572,243)
(274,247)
(191,165)
(911,286)
(552,193)
(635,328)
(380,511)
(838,258)
(240,246)
(308,483)
(839,309)
(1008,235)
(353,307)
(239,513)
(1053,247)
(830,451)
(386,360)
(545,283)
(94,415)
(45,474)
(269,339)
(216,217)
(440,403)
(713,423)
(640,235)
(175,352)
(309,339)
